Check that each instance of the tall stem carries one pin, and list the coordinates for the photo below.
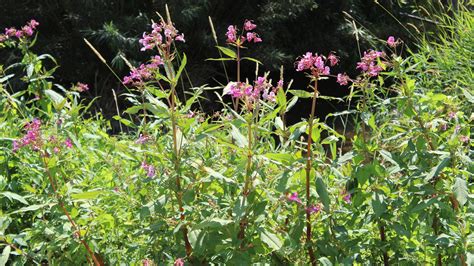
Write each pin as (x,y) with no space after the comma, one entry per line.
(61,204)
(309,159)
(248,181)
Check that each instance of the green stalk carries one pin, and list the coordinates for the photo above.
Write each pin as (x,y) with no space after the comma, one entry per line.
(309,159)
(248,181)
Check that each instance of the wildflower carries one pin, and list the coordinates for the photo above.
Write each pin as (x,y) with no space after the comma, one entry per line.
(392,42)
(253,36)
(179,262)
(313,209)
(147,262)
(342,79)
(32,137)
(231,34)
(81,87)
(315,63)
(370,63)
(150,169)
(56,150)
(464,139)
(155,37)
(333,60)
(444,126)
(68,143)
(347,198)
(142,139)
(452,115)
(144,72)
(294,197)
(248,25)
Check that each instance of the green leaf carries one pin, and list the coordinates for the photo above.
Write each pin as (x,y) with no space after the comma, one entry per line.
(213,223)
(220,59)
(227,51)
(301,93)
(322,191)
(184,61)
(460,190)
(286,158)
(5,256)
(14,196)
(86,195)
(240,140)
(468,95)
(217,175)
(57,99)
(435,171)
(325,261)
(29,208)
(252,59)
(271,240)
(378,204)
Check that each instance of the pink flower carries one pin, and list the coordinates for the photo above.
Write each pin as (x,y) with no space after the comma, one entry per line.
(32,137)
(313,209)
(56,150)
(392,42)
(464,139)
(179,262)
(231,34)
(333,60)
(294,197)
(68,143)
(347,198)
(342,79)
(147,262)
(248,25)
(142,139)
(369,63)
(315,63)
(81,87)
(150,169)
(33,24)
(10,32)
(452,115)
(180,38)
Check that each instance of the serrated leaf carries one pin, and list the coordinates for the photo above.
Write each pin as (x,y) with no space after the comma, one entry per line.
(322,191)
(5,255)
(301,93)
(86,195)
(213,223)
(460,190)
(14,196)
(435,171)
(240,140)
(271,240)
(229,52)
(378,204)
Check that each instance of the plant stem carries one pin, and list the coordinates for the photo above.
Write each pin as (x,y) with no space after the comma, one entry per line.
(248,181)
(309,159)
(179,192)
(384,240)
(61,204)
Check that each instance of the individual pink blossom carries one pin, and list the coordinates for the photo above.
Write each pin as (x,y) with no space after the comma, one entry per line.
(231,34)
(294,197)
(313,209)
(392,42)
(248,25)
(464,139)
(452,115)
(142,139)
(147,262)
(179,262)
(81,87)
(180,38)
(252,36)
(56,150)
(347,198)
(333,59)
(343,79)
(68,143)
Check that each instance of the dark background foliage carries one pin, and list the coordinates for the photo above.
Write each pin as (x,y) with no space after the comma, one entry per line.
(288,29)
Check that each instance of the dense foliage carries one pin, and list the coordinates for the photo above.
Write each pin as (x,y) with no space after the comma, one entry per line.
(242,185)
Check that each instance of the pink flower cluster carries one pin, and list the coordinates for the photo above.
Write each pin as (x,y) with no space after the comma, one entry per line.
(262,87)
(150,169)
(138,76)
(318,64)
(311,209)
(250,36)
(371,63)
(161,36)
(343,79)
(32,138)
(26,31)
